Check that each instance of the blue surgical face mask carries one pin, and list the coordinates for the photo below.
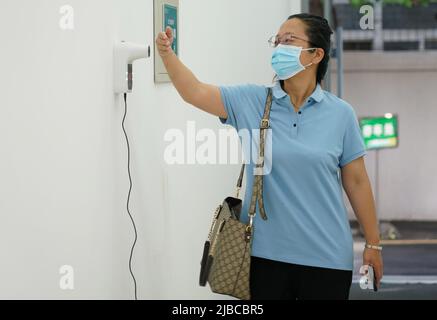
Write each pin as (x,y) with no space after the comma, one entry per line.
(286,61)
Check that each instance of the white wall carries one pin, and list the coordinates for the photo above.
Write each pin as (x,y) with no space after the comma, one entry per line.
(403,83)
(63,157)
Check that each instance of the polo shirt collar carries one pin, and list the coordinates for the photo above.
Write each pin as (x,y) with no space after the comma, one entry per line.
(278,93)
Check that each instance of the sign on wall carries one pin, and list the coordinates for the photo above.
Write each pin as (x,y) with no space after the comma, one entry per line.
(380,132)
(166,14)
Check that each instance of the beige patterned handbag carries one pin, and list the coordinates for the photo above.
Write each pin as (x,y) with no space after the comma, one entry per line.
(225,263)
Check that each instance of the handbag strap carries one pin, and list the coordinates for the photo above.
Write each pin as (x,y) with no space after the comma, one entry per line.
(240,181)
(257,190)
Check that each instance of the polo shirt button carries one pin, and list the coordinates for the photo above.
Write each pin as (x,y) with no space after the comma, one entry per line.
(294,125)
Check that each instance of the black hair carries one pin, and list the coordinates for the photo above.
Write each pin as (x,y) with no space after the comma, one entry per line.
(319,33)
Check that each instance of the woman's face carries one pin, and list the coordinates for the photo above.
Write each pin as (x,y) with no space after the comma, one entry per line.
(299,38)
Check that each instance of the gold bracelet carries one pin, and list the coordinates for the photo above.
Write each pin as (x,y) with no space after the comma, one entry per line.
(369,246)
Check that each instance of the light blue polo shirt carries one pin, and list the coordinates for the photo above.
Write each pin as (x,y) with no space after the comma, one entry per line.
(307,218)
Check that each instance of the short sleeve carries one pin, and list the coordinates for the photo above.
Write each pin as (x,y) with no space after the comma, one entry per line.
(353,143)
(240,102)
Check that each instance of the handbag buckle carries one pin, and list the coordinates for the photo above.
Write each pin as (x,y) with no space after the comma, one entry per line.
(249,227)
(265,123)
(248,233)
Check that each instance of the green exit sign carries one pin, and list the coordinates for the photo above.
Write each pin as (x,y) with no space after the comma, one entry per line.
(380,132)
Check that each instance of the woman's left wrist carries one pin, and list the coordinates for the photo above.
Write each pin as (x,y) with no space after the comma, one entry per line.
(373,242)
(373,239)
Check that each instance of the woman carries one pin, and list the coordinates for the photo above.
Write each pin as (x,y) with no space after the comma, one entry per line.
(305,248)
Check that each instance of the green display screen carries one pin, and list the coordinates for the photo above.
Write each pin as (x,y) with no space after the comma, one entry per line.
(171,20)
(380,132)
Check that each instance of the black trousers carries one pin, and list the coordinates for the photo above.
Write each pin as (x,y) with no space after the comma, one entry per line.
(276,280)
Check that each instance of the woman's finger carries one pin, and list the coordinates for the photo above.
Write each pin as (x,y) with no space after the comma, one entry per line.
(378,272)
(169,32)
(162,43)
(163,36)
(164,51)
(163,46)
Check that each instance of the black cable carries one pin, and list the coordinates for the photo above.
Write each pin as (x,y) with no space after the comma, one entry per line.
(128,197)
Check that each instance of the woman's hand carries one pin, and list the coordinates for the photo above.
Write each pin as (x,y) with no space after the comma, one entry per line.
(374,258)
(164,40)
(201,95)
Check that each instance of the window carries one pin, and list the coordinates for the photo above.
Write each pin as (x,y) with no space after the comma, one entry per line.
(401,45)
(358,45)
(431,44)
